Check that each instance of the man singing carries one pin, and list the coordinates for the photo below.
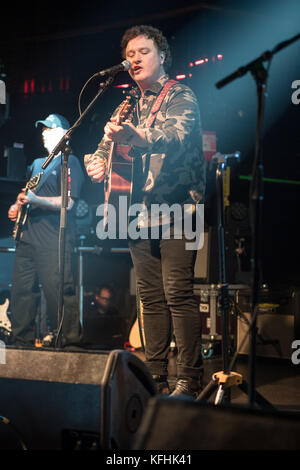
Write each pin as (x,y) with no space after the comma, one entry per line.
(168,168)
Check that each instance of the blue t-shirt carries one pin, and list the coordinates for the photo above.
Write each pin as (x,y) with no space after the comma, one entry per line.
(42,225)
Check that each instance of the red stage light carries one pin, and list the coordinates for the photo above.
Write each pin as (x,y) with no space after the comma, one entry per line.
(219,56)
(125,85)
(180,77)
(32,85)
(199,62)
(26,87)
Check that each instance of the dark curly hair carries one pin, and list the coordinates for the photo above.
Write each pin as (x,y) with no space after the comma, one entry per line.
(151,33)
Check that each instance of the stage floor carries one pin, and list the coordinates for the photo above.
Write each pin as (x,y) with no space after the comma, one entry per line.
(278,381)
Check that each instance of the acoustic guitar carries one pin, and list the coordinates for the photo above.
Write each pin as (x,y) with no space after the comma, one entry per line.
(137,335)
(23,209)
(118,164)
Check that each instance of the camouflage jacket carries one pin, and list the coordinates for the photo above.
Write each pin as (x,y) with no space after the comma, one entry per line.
(170,169)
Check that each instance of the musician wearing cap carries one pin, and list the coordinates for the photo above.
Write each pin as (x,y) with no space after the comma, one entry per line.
(37,241)
(168,167)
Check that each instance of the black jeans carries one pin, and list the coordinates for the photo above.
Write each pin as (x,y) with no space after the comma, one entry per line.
(164,271)
(34,266)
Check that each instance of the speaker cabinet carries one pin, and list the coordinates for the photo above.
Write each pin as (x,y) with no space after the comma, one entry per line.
(201,269)
(16,163)
(277,324)
(181,424)
(126,387)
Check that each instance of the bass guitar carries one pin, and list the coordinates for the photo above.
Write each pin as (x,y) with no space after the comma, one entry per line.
(23,209)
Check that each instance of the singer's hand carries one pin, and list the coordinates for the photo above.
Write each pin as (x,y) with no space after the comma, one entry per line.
(124,134)
(96,171)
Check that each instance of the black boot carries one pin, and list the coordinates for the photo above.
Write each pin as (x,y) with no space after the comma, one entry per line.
(162,384)
(187,386)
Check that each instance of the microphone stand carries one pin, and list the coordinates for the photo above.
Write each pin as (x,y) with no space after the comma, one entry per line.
(64,148)
(260,75)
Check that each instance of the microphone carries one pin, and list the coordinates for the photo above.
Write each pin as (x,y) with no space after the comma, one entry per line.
(123,66)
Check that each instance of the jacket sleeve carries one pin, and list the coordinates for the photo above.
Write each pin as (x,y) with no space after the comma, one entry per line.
(102,150)
(175,131)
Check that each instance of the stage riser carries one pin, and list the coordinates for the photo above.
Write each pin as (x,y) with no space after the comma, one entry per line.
(54,365)
(42,411)
(45,393)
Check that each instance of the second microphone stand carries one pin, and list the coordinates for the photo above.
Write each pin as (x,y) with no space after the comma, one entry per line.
(64,148)
(223,380)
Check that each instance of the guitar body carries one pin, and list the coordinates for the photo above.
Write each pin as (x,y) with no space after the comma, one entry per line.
(137,335)
(5,325)
(23,210)
(19,224)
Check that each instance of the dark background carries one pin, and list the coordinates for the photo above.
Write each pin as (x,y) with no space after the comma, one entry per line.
(58,47)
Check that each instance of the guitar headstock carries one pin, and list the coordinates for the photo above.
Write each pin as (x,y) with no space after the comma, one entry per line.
(34,181)
(125,110)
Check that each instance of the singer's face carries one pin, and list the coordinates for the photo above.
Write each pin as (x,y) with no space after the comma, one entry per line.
(146,61)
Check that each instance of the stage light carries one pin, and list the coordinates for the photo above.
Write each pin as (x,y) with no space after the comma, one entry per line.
(26,87)
(32,85)
(219,56)
(199,62)
(124,85)
(180,77)
(83,218)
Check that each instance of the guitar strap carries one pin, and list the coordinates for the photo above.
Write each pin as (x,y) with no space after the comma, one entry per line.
(45,174)
(158,102)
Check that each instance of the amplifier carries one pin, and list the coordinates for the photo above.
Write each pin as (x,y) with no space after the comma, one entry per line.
(277,323)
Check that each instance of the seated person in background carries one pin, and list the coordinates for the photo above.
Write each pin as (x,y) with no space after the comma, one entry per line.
(103,301)
(102,323)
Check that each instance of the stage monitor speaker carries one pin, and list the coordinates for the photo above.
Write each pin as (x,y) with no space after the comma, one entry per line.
(126,387)
(181,424)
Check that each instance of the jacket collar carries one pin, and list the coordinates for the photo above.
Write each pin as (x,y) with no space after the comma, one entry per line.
(156,87)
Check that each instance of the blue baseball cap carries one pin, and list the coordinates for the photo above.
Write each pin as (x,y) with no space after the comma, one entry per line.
(53,121)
